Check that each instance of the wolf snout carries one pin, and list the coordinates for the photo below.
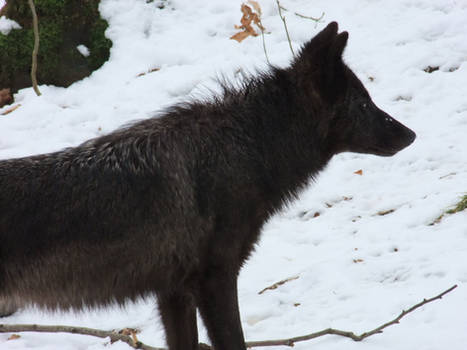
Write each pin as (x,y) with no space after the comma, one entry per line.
(409,137)
(412,136)
(402,138)
(392,137)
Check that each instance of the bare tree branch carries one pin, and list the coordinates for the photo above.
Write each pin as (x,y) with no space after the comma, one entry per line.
(134,343)
(35,50)
(261,28)
(315,19)
(113,335)
(279,7)
(351,335)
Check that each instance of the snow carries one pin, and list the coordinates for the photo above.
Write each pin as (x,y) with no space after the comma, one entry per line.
(83,49)
(357,269)
(6,25)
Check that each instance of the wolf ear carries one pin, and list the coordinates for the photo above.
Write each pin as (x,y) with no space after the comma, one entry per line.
(320,41)
(326,35)
(327,46)
(339,44)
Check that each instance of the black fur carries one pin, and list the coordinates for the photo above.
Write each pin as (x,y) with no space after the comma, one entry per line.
(173,205)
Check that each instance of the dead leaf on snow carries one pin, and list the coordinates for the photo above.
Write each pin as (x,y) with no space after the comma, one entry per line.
(250,16)
(5,97)
(256,6)
(385,212)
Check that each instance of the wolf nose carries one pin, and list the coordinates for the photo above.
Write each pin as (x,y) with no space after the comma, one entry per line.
(411,136)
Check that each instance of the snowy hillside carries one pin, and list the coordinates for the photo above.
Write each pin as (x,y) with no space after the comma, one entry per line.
(361,245)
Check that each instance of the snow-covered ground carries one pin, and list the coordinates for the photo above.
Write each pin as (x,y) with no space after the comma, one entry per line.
(357,269)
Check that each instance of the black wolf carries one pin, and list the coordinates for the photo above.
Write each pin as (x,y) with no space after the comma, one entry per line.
(172,206)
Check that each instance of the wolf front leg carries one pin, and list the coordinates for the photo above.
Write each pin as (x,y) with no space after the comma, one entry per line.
(218,305)
(178,314)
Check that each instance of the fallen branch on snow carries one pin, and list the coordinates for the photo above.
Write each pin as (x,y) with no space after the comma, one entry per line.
(123,335)
(277,284)
(351,335)
(11,109)
(134,343)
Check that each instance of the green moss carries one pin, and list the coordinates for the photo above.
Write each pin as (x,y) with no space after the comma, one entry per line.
(51,7)
(99,45)
(49,49)
(15,47)
(462,205)
(63,25)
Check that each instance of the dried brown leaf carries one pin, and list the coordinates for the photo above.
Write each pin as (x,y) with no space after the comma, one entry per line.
(249,17)
(257,21)
(358,172)
(256,6)
(14,336)
(246,10)
(5,97)
(130,332)
(240,36)
(133,336)
(385,212)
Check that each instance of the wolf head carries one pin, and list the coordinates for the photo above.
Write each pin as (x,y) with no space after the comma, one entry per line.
(350,119)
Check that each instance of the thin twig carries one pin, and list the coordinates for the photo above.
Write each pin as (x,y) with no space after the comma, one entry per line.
(11,109)
(35,50)
(257,8)
(115,336)
(351,335)
(315,19)
(285,26)
(405,312)
(264,42)
(277,284)
(447,175)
